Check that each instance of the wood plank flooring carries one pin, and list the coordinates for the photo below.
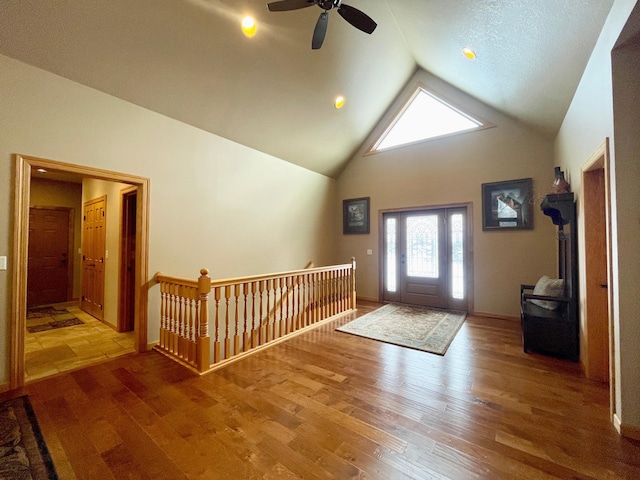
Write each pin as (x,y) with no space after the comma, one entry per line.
(329,405)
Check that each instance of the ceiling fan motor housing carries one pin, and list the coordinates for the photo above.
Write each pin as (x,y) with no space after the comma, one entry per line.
(328,4)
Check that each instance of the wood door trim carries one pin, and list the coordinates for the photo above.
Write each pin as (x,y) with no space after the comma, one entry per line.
(23,166)
(600,158)
(469,239)
(70,243)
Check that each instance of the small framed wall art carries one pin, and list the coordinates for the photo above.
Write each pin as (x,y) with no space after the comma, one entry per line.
(355,215)
(507,205)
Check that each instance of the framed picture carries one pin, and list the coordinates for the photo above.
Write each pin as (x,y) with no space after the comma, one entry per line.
(355,215)
(507,205)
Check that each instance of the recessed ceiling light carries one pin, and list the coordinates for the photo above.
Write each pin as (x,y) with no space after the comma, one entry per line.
(41,170)
(339,103)
(470,54)
(249,26)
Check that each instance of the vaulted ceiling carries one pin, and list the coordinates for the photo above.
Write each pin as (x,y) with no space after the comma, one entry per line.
(189,60)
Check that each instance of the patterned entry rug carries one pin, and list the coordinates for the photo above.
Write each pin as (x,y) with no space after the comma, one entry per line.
(23,451)
(50,318)
(422,328)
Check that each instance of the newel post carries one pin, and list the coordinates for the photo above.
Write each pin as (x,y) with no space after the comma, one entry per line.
(204,341)
(353,283)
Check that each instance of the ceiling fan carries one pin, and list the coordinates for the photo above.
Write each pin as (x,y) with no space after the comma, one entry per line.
(355,17)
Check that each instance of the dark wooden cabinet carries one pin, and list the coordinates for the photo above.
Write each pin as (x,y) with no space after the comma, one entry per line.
(556,332)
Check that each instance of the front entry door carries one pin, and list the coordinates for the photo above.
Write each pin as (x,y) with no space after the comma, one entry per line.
(49,260)
(425,257)
(93,256)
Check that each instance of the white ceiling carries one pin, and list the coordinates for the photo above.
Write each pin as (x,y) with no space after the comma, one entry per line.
(188,59)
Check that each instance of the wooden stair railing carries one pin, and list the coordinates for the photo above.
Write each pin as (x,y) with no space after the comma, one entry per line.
(205,323)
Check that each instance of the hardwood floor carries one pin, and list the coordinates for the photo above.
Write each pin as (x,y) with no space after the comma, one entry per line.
(329,405)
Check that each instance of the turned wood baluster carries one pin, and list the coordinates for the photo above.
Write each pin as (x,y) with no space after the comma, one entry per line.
(172,321)
(323,296)
(299,280)
(316,297)
(254,328)
(268,315)
(216,343)
(203,348)
(343,290)
(193,325)
(306,299)
(190,354)
(246,338)
(331,278)
(163,313)
(262,334)
(353,284)
(281,320)
(288,322)
(236,327)
(338,294)
(227,338)
(181,322)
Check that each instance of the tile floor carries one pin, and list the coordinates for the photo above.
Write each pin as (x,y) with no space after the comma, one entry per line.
(54,351)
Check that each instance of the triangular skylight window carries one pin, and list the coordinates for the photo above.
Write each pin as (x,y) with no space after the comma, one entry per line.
(425,116)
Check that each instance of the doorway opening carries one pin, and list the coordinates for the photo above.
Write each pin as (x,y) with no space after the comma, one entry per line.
(425,257)
(24,168)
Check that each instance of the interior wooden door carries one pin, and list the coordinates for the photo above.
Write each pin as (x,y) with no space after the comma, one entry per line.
(93,256)
(425,257)
(595,349)
(49,256)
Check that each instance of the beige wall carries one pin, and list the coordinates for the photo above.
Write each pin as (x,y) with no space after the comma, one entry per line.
(589,120)
(213,203)
(451,170)
(45,193)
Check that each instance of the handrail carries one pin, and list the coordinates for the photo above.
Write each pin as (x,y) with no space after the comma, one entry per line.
(246,314)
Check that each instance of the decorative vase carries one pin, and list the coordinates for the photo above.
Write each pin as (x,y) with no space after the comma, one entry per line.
(560,185)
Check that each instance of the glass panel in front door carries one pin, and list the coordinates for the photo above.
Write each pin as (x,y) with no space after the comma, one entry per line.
(422,246)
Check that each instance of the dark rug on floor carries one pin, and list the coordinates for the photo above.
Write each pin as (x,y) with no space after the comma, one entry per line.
(23,451)
(49,318)
(69,322)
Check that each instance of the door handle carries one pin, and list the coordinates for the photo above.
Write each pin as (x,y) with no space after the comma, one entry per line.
(604,285)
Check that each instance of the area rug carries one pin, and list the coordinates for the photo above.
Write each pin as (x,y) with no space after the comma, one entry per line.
(23,451)
(421,328)
(49,318)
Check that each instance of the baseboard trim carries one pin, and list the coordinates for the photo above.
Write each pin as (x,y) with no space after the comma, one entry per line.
(494,315)
(367,299)
(628,431)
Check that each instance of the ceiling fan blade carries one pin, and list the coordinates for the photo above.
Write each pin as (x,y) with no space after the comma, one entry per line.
(358,19)
(286,5)
(320,31)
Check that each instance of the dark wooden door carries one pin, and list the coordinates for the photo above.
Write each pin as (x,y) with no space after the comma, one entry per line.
(127,293)
(93,257)
(48,269)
